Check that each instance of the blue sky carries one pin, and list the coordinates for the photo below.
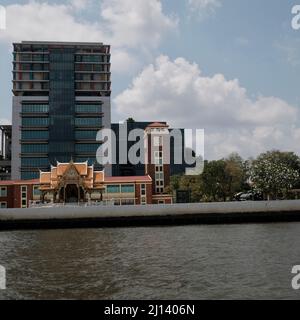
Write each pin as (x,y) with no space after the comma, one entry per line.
(251,41)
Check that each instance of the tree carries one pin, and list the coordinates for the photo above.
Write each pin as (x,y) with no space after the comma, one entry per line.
(275,173)
(213,180)
(235,175)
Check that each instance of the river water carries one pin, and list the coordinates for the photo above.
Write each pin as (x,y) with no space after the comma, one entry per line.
(191,262)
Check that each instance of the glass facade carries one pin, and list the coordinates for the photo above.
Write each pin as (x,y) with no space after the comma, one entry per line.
(35,122)
(91,161)
(91,58)
(30,175)
(87,148)
(86,135)
(34,148)
(35,108)
(61,73)
(35,162)
(88,122)
(35,135)
(88,108)
(62,104)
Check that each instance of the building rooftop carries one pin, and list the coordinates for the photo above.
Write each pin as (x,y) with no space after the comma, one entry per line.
(61,43)
(158,125)
(128,179)
(19,182)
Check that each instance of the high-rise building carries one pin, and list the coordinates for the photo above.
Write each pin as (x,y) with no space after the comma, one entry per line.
(61,100)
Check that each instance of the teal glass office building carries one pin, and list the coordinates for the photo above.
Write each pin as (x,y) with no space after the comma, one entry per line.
(61,100)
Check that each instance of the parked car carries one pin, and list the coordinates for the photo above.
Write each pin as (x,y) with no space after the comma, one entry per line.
(248,196)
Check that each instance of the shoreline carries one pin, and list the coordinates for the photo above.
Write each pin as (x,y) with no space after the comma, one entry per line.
(151,215)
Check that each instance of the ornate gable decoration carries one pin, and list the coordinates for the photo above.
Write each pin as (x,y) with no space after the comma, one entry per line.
(71,174)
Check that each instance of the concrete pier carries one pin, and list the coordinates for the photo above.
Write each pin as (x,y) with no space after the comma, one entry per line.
(151,215)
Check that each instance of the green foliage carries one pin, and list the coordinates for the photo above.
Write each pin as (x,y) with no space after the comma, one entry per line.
(274,173)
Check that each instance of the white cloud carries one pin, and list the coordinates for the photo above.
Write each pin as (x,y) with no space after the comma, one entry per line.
(177,91)
(121,23)
(123,62)
(42,21)
(204,6)
(79,4)
(141,23)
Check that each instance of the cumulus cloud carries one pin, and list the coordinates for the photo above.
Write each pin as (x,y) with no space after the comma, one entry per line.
(43,21)
(122,24)
(177,91)
(140,24)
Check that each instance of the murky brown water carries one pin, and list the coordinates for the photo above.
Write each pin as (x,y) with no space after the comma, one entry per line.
(194,262)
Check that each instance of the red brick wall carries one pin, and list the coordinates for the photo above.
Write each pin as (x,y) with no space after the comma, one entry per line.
(138,194)
(148,193)
(9,198)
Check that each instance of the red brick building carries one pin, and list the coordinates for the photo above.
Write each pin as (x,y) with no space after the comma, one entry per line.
(18,194)
(80,183)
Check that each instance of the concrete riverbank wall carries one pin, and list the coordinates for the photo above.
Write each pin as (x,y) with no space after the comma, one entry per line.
(177,214)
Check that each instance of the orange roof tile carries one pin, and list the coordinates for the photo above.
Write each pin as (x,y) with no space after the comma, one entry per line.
(128,179)
(158,125)
(45,177)
(19,182)
(61,168)
(82,168)
(98,176)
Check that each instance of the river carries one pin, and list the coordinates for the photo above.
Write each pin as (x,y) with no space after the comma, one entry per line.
(251,261)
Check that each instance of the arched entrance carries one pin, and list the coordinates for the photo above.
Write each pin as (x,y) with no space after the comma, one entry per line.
(72,193)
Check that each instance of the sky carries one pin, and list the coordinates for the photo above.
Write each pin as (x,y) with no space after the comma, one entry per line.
(230,67)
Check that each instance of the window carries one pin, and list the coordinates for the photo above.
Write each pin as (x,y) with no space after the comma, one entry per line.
(3,205)
(159,183)
(3,192)
(159,169)
(158,158)
(35,108)
(143,189)
(35,162)
(88,108)
(36,191)
(29,175)
(23,196)
(90,58)
(113,189)
(159,176)
(161,201)
(88,148)
(35,135)
(143,194)
(86,135)
(35,122)
(88,122)
(34,148)
(127,188)
(158,141)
